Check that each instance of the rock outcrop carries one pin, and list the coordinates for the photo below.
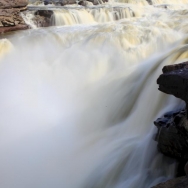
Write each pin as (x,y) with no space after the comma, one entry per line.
(174,81)
(172,135)
(10,19)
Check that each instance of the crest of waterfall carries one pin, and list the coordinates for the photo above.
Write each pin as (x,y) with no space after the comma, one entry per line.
(96,15)
(137,2)
(36,2)
(78,102)
(110,12)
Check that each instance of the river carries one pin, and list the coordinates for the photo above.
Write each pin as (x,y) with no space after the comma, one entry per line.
(78,99)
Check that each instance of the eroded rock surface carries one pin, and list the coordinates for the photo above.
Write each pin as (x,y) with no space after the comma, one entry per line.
(7,4)
(10,19)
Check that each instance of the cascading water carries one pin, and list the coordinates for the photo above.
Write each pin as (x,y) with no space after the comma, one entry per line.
(78,102)
(96,15)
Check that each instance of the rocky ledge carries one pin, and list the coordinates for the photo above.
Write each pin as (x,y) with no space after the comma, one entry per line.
(68,2)
(172,135)
(10,19)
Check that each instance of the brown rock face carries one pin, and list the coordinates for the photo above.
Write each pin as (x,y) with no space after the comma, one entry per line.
(10,19)
(12,3)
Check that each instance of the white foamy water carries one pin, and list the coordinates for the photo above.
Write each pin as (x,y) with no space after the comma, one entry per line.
(78,102)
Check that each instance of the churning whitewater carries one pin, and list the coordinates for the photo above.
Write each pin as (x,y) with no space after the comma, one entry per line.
(78,102)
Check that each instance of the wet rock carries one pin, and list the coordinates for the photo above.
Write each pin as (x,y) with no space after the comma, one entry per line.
(96,2)
(85,3)
(46,2)
(181,182)
(68,2)
(43,18)
(41,21)
(174,81)
(44,13)
(149,2)
(172,136)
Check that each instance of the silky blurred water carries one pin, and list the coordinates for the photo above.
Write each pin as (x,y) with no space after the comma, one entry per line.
(78,102)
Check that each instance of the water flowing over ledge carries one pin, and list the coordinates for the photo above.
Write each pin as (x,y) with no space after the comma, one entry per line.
(78,101)
(89,14)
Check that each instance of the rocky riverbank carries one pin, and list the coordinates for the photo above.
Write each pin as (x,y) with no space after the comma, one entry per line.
(172,136)
(10,18)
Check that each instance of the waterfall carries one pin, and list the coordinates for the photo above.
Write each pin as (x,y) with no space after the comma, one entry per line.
(85,16)
(78,101)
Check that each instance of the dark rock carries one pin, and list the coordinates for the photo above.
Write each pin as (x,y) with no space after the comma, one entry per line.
(186,169)
(43,18)
(174,81)
(68,2)
(84,3)
(41,21)
(149,2)
(172,136)
(44,13)
(181,182)
(46,2)
(174,67)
